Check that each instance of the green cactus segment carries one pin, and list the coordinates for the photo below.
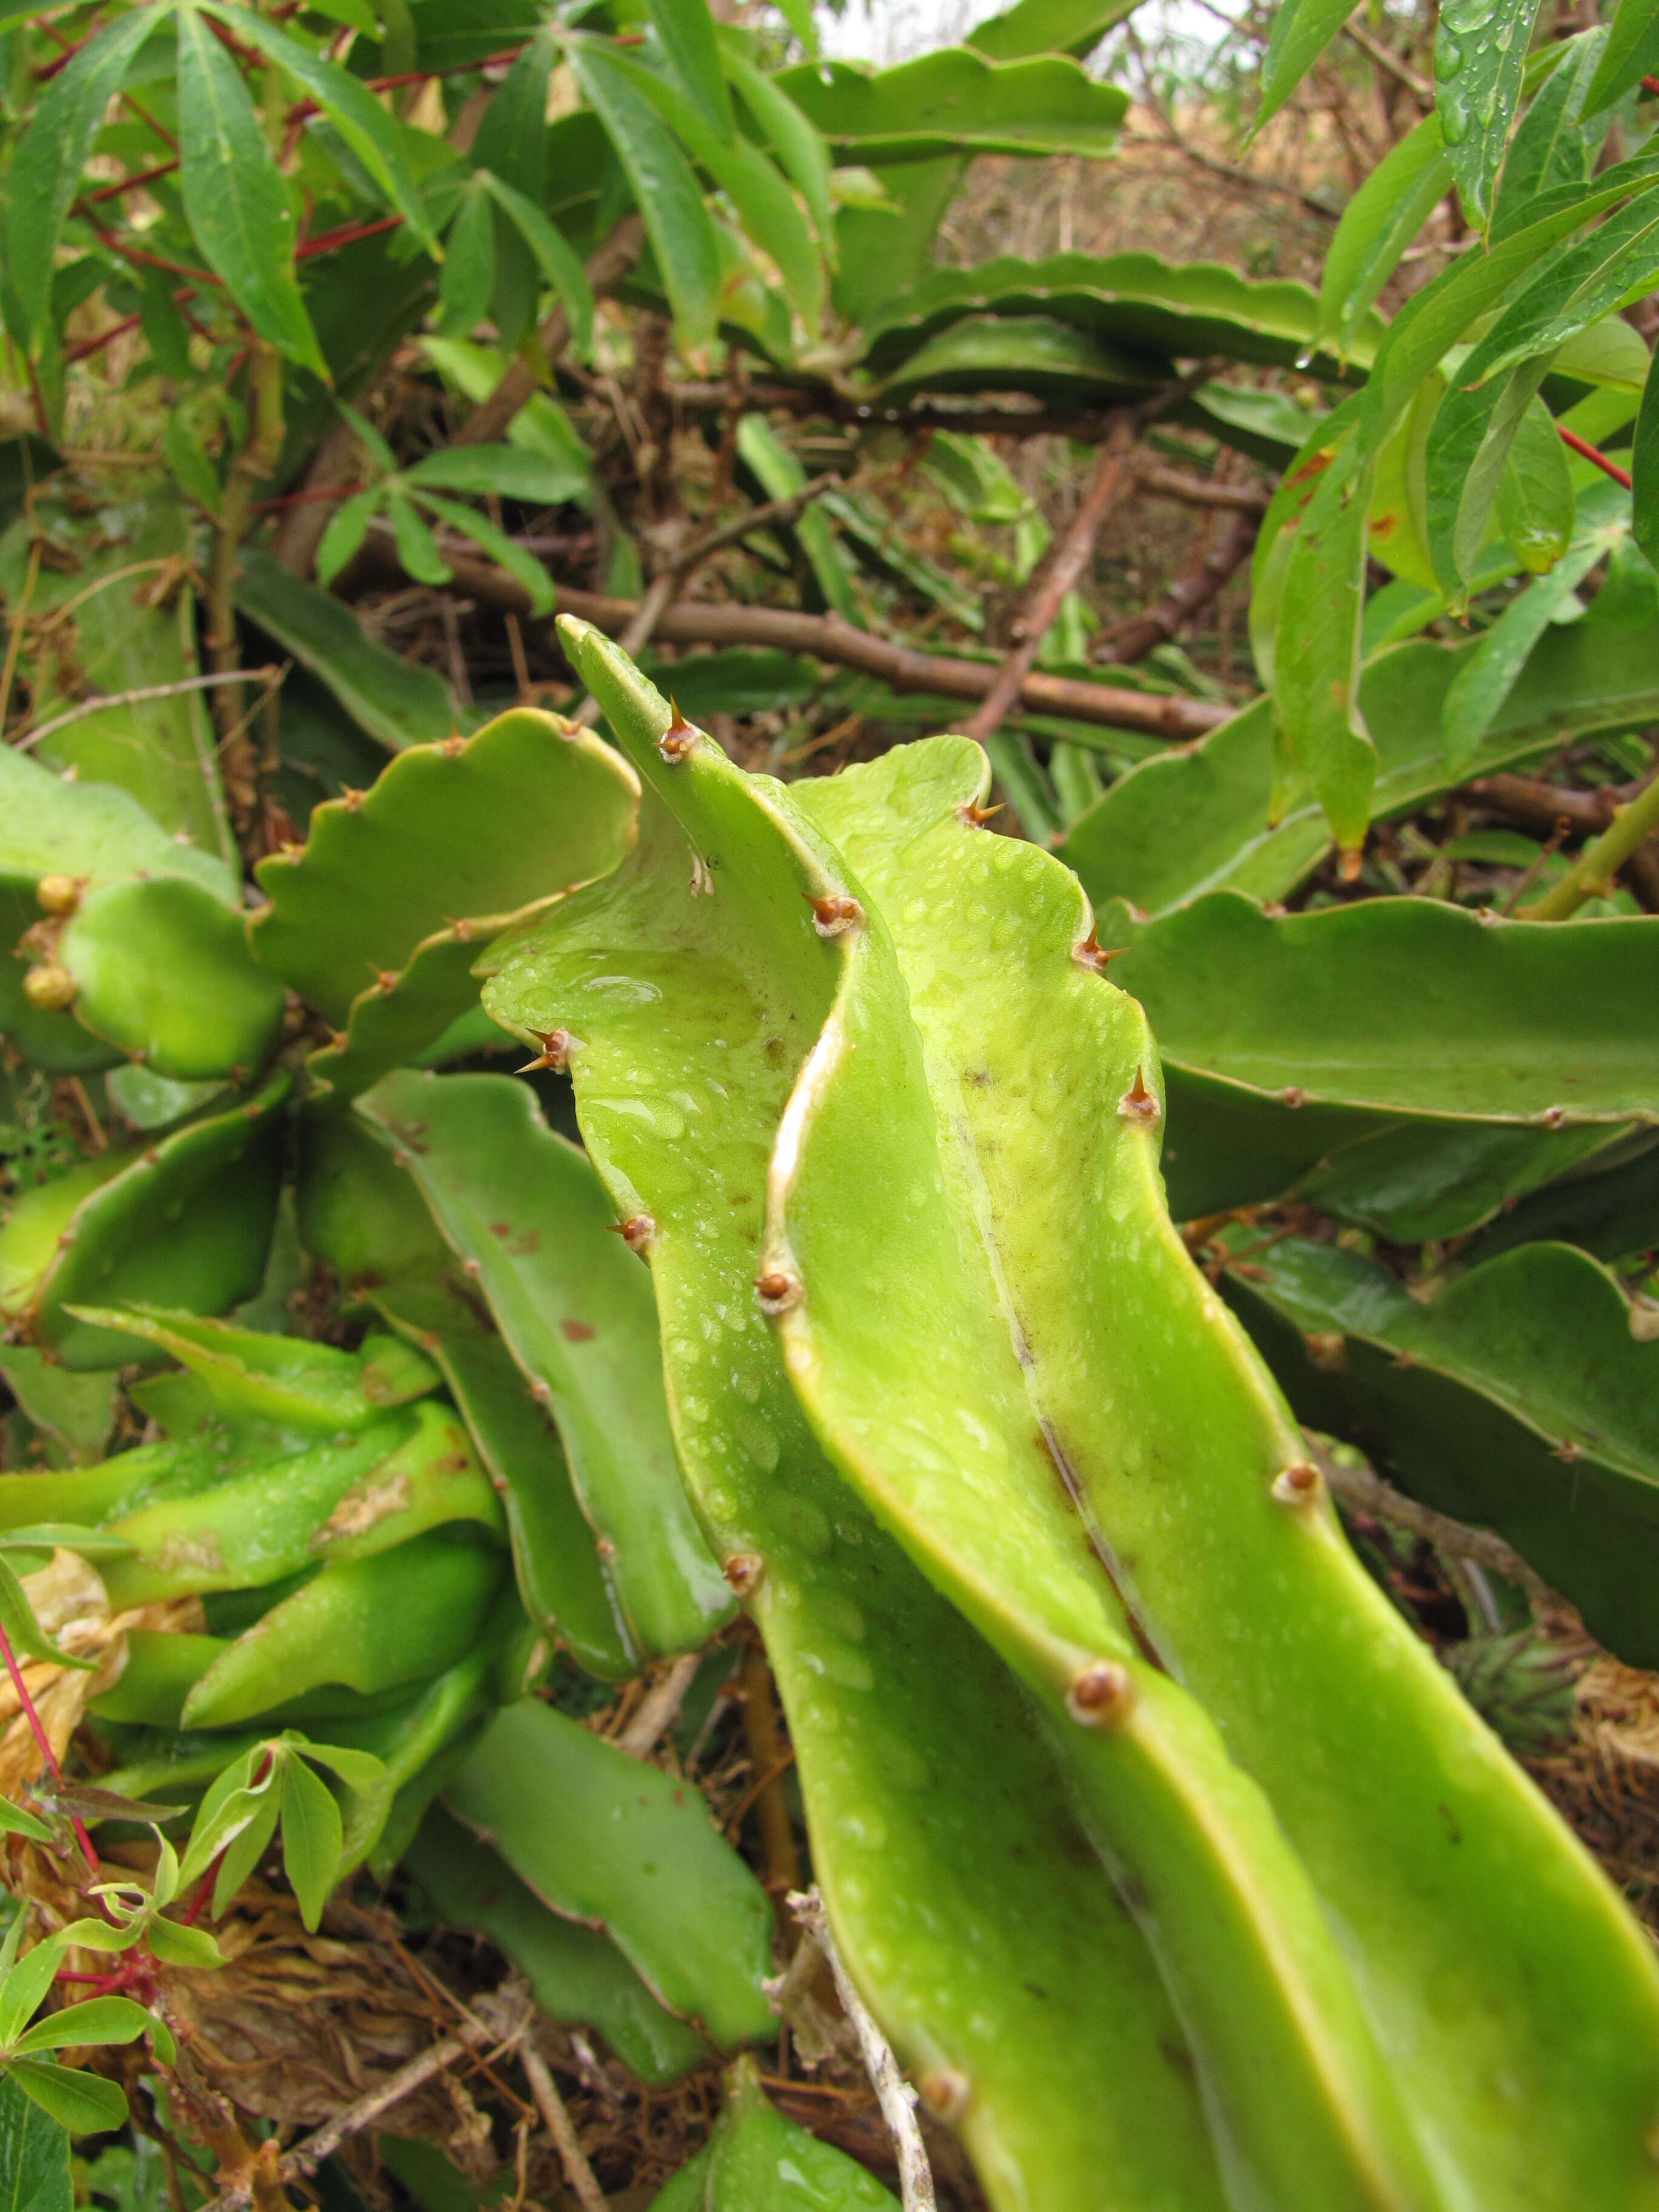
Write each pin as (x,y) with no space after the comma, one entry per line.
(1527,2040)
(1404,1007)
(956,1452)
(118,618)
(483,825)
(578,1975)
(1518,1398)
(523,1211)
(74,1414)
(292,1385)
(608,1840)
(163,1666)
(90,1495)
(162,971)
(757,2162)
(186,1222)
(369,1624)
(356,1210)
(398,1020)
(90,834)
(564,1585)
(973,1915)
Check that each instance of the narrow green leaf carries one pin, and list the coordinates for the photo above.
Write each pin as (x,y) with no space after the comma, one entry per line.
(23,1632)
(346,531)
(361,122)
(1315,664)
(508,470)
(469,272)
(187,458)
(360,1771)
(497,543)
(234,196)
(800,151)
(689,44)
(34,2156)
(1577,287)
(85,2103)
(665,191)
(99,2019)
(1553,145)
(1377,225)
(1631,53)
(555,257)
(311,1838)
(1467,451)
(1535,500)
(52,154)
(25,1987)
(175,1945)
(17,1820)
(511,135)
(780,475)
(1301,30)
(418,549)
(1485,681)
(1479,60)
(246,1850)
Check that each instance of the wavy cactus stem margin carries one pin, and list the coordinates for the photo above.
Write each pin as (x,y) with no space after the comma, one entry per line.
(1403,1982)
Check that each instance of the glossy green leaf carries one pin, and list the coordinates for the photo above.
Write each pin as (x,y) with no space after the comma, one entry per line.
(186,1222)
(1132,302)
(1517,1398)
(1480,59)
(506,469)
(691,47)
(961,1891)
(370,1624)
(1419,1182)
(607,1839)
(311,1838)
(1554,144)
(97,2019)
(15,1821)
(578,1974)
(1196,818)
(53,151)
(524,1212)
(1182,1388)
(1485,680)
(1535,504)
(1315,669)
(34,2156)
(1378,224)
(1302,29)
(525,808)
(418,553)
(1644,471)
(83,2103)
(469,275)
(235,199)
(564,1584)
(956,101)
(496,546)
(23,1630)
(676,220)
(397,704)
(799,151)
(356,1210)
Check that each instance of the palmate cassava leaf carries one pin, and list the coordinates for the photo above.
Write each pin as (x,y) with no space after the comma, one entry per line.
(1553,142)
(1516,1398)
(1480,59)
(1377,225)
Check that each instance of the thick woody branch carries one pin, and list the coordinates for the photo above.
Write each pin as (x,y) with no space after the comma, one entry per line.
(1219,558)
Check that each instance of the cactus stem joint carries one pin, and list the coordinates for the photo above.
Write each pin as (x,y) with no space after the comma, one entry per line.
(1138,1103)
(556,1046)
(743,1572)
(776,1292)
(834,915)
(678,738)
(1093,954)
(1297,1484)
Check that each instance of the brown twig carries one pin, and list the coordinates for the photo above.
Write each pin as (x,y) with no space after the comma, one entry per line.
(768,1755)
(1200,491)
(488,420)
(659,1707)
(577,2171)
(1111,477)
(267,675)
(1219,555)
(826,637)
(1391,65)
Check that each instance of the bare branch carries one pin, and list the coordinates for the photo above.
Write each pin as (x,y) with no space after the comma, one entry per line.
(488,420)
(268,675)
(577,2171)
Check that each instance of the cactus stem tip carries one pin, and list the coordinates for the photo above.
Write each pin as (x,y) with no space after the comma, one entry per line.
(1138,1103)
(1101,1694)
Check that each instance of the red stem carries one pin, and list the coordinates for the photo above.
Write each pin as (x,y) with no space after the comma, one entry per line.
(44,1746)
(88,347)
(130,183)
(1588,452)
(1650,84)
(153,260)
(347,236)
(300,498)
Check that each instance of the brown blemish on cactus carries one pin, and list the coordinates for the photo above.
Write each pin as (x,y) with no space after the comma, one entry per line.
(576,1332)
(1292,1094)
(945,2091)
(1297,1484)
(541,1392)
(835,914)
(776,1292)
(191,1555)
(556,1046)
(743,1572)
(1101,1694)
(1093,954)
(362,1508)
(1138,1102)
(452,745)
(1078,1503)
(470,1269)
(50,989)
(678,739)
(350,799)
(59,895)
(385,979)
